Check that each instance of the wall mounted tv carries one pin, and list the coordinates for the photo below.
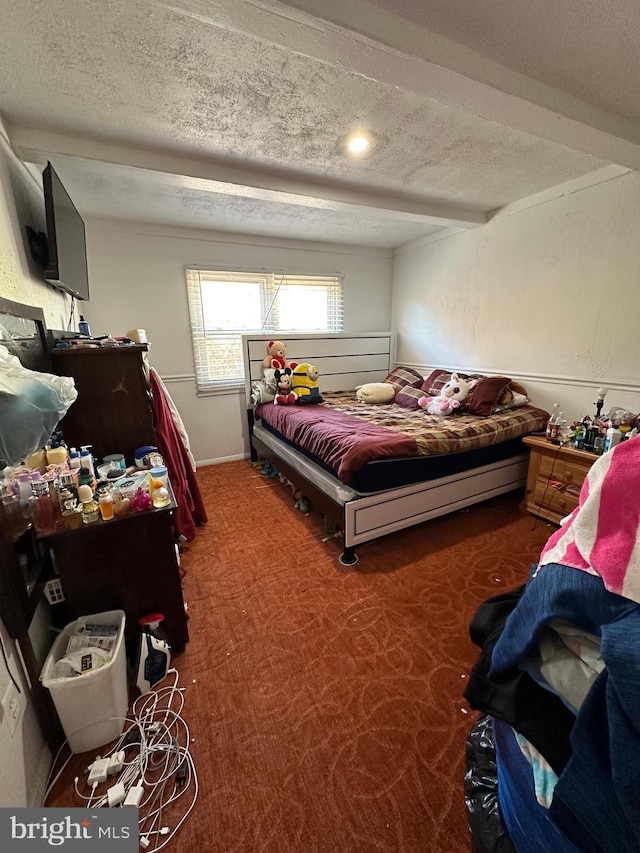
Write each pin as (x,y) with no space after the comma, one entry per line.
(66,265)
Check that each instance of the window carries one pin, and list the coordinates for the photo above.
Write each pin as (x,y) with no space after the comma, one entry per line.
(224,305)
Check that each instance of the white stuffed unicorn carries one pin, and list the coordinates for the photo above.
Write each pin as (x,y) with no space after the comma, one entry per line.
(453,394)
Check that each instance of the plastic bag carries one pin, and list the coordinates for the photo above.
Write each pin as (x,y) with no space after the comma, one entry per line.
(80,662)
(31,406)
(488,832)
(622,416)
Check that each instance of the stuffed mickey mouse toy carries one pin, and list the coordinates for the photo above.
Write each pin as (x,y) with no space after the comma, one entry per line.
(284,394)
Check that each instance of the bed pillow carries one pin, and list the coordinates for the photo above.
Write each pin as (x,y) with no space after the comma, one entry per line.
(518,399)
(434,382)
(401,377)
(408,397)
(486,395)
(439,377)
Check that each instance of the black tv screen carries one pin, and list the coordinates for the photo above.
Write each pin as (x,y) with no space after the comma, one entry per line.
(66,265)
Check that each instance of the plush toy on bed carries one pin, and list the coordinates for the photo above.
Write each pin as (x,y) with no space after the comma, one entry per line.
(304,384)
(284,395)
(277,356)
(453,394)
(375,392)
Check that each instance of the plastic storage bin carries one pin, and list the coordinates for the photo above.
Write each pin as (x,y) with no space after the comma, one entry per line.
(92,707)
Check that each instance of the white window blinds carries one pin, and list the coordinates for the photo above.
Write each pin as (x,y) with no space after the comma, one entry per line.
(224,304)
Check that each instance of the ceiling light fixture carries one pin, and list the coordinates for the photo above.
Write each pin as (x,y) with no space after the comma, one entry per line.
(357,144)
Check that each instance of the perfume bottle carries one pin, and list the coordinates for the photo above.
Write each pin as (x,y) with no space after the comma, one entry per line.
(105,502)
(160,497)
(43,508)
(90,508)
(67,492)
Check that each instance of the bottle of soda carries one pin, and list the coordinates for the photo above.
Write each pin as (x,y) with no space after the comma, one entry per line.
(552,429)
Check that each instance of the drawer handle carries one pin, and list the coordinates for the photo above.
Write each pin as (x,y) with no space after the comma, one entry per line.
(568,476)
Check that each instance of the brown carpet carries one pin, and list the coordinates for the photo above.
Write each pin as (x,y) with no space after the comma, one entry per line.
(324,702)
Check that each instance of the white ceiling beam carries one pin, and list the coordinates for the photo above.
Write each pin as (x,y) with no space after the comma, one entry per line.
(412,59)
(36,146)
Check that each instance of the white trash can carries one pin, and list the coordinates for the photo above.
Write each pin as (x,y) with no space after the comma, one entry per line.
(93,706)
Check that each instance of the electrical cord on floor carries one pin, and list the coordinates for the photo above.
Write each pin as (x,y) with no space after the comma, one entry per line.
(149,765)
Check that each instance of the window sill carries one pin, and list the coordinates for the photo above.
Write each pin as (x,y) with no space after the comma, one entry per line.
(228,388)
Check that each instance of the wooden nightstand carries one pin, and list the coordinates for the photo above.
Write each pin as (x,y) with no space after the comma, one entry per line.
(554,478)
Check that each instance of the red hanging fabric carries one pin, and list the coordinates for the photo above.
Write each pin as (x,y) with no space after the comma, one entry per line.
(190,510)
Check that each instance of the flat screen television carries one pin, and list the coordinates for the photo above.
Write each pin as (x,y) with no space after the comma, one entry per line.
(66,265)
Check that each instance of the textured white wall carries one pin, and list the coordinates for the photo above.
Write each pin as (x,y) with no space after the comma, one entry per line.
(548,294)
(137,281)
(22,204)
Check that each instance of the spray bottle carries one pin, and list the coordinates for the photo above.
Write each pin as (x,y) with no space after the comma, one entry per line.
(154,657)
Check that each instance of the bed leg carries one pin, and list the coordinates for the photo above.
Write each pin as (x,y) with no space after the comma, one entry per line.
(348,557)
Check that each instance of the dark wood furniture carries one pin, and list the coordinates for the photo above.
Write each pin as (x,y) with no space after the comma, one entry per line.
(554,478)
(128,564)
(113,412)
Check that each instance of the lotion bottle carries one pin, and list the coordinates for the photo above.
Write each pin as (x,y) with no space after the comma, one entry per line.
(74,458)
(612,437)
(86,459)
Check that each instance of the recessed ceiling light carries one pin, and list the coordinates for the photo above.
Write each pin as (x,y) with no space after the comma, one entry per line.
(359,143)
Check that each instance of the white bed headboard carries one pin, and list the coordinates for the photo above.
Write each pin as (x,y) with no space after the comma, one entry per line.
(343,360)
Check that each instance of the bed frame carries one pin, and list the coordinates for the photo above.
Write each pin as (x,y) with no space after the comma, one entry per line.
(344,361)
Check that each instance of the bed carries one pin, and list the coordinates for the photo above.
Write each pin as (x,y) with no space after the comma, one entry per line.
(376,469)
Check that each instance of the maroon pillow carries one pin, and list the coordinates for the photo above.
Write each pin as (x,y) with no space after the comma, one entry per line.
(486,395)
(408,397)
(434,382)
(439,377)
(401,376)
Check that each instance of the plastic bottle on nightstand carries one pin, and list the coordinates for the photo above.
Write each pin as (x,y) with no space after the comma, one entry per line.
(613,436)
(551,423)
(560,429)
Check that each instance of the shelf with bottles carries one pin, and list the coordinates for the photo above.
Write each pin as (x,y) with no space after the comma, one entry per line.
(120,510)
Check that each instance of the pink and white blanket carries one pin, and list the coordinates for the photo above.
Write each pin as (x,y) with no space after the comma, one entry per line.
(602,535)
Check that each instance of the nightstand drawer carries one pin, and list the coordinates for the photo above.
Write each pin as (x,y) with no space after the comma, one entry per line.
(564,471)
(561,499)
(555,477)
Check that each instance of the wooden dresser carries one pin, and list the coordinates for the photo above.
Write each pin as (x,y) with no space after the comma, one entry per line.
(554,478)
(113,412)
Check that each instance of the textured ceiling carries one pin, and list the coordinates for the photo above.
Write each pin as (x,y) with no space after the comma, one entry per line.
(586,47)
(204,84)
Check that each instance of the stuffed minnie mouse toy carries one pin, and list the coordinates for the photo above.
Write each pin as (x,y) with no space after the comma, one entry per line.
(284,394)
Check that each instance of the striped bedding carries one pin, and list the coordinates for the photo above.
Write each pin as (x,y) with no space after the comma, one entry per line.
(345,434)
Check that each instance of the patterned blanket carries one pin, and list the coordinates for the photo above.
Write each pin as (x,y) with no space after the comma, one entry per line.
(345,434)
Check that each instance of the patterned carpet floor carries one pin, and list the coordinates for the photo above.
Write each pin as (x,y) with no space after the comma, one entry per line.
(325,702)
